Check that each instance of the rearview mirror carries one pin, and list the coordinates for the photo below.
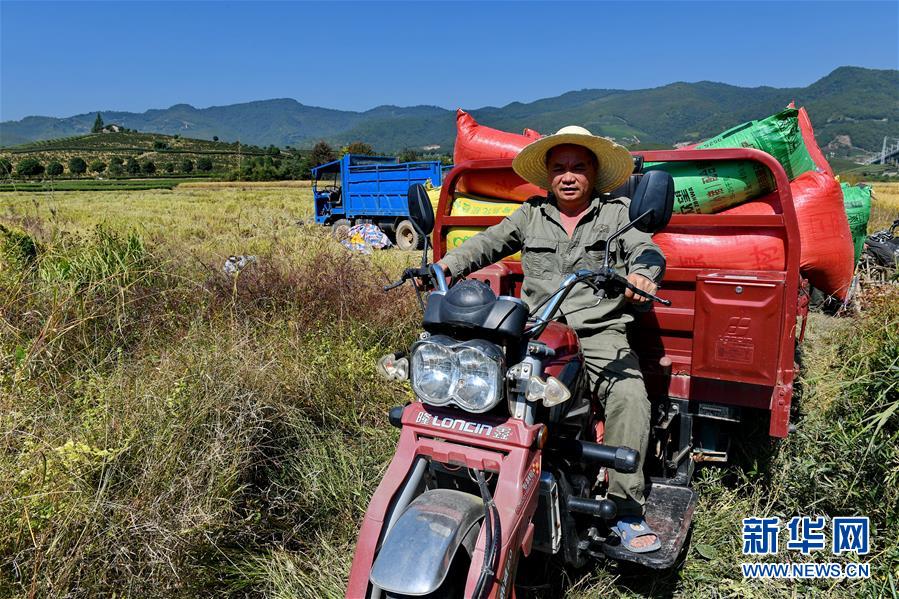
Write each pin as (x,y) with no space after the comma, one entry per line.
(654,200)
(420,211)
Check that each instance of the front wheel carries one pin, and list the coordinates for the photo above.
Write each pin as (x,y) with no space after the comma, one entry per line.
(340,229)
(452,587)
(407,238)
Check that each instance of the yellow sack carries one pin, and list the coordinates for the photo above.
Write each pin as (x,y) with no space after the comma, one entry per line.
(467,205)
(434,196)
(456,236)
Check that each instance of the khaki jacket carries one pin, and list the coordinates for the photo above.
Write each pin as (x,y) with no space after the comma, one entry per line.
(549,255)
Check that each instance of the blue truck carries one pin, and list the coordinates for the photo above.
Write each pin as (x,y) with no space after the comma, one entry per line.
(370,189)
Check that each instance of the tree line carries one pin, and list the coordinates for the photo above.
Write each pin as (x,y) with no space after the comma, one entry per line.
(273,164)
(276,165)
(27,168)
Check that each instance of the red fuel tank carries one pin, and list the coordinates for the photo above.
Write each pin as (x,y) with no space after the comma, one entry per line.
(564,341)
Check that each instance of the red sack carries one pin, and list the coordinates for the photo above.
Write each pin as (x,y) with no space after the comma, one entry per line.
(721,247)
(808,136)
(763,206)
(477,142)
(726,247)
(828,254)
(499,184)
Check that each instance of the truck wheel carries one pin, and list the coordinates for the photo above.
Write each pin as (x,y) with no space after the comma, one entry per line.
(340,229)
(407,238)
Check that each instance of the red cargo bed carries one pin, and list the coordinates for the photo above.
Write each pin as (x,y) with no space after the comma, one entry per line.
(729,333)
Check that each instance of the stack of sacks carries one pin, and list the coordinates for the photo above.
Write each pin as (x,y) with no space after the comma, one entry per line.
(825,257)
(826,251)
(725,247)
(710,187)
(477,142)
(720,187)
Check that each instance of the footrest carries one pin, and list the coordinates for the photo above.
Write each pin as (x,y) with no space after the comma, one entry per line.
(669,512)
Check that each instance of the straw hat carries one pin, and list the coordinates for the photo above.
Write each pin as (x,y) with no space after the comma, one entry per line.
(615,163)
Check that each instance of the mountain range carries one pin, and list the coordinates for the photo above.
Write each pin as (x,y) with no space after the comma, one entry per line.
(851,105)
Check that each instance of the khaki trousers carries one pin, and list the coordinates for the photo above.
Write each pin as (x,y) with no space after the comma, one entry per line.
(614,373)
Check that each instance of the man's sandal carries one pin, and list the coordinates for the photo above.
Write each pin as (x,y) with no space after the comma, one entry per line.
(629,528)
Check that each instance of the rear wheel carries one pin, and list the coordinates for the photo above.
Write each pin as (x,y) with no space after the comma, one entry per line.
(407,238)
(340,229)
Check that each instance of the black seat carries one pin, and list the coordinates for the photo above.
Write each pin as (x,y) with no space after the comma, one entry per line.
(630,186)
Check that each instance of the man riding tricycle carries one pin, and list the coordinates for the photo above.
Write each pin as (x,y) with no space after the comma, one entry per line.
(533,430)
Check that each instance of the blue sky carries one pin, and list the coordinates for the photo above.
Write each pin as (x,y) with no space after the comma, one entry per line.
(64,58)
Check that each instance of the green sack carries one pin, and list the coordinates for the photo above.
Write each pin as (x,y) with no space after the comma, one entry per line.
(778,135)
(708,187)
(857,202)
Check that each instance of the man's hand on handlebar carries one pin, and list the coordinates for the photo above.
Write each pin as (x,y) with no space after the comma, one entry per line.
(449,277)
(409,274)
(424,275)
(643,284)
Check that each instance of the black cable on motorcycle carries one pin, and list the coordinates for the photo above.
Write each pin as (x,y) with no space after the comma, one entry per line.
(413,274)
(486,567)
(492,540)
(418,293)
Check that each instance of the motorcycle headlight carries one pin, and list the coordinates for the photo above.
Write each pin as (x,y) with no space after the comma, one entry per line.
(469,374)
(434,371)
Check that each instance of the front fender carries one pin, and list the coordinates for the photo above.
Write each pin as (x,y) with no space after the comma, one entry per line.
(420,547)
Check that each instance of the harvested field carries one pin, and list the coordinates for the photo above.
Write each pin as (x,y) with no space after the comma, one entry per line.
(884,206)
(227,219)
(168,431)
(89,184)
(247,185)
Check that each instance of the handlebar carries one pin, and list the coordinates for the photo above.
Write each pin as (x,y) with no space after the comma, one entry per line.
(434,273)
(601,281)
(619,280)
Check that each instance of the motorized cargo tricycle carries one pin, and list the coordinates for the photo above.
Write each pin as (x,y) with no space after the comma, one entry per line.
(500,457)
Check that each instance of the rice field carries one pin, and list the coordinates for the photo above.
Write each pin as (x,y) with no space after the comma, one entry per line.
(884,206)
(189,219)
(169,431)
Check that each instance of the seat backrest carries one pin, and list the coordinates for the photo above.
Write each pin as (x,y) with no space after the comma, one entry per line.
(627,189)
(630,186)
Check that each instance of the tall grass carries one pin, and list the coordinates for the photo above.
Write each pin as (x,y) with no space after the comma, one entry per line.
(170,431)
(843,460)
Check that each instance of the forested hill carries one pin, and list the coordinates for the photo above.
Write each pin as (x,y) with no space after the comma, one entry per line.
(862,104)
